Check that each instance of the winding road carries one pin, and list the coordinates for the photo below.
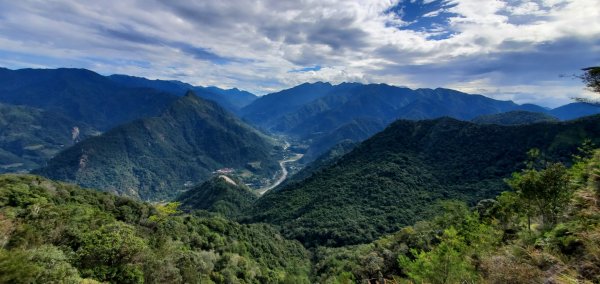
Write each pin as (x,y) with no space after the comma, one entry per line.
(283,176)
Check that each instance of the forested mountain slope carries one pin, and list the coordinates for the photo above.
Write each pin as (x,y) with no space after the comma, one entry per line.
(221,194)
(154,158)
(394,178)
(514,118)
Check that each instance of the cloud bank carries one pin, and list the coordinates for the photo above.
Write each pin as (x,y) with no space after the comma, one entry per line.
(508,49)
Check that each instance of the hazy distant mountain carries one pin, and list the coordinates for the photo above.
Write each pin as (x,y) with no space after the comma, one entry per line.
(514,118)
(313,111)
(29,136)
(575,110)
(267,110)
(153,158)
(394,178)
(220,194)
(231,99)
(81,95)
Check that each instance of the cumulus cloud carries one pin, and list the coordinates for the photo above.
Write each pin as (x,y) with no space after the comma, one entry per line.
(504,48)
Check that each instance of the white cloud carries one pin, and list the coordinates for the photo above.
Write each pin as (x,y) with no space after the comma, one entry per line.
(253,44)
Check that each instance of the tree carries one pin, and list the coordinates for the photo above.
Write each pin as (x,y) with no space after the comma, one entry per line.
(112,253)
(543,193)
(164,211)
(446,263)
(591,78)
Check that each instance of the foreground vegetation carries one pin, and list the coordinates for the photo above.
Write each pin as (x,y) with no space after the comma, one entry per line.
(56,232)
(550,235)
(546,228)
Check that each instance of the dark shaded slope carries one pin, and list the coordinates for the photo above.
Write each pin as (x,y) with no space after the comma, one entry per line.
(394,178)
(514,118)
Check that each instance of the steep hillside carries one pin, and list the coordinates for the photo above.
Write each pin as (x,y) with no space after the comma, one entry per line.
(154,158)
(231,99)
(575,110)
(221,194)
(29,137)
(514,118)
(81,95)
(54,232)
(394,178)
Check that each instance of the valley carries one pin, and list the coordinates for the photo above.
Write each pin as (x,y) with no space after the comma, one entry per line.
(284,173)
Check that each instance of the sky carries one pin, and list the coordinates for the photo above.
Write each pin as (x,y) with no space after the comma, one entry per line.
(525,51)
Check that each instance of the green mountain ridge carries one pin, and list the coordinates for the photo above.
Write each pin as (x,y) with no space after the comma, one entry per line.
(394,178)
(514,118)
(221,194)
(154,158)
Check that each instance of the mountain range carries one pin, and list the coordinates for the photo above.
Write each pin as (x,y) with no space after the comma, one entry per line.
(438,191)
(154,158)
(231,99)
(81,95)
(47,105)
(324,114)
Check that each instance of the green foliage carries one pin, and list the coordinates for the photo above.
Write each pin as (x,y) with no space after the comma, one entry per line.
(395,178)
(591,78)
(488,243)
(543,193)
(111,253)
(446,263)
(154,158)
(52,230)
(45,264)
(219,195)
(514,118)
(164,211)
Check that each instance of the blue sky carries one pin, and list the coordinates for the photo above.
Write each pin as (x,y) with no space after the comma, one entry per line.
(507,49)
